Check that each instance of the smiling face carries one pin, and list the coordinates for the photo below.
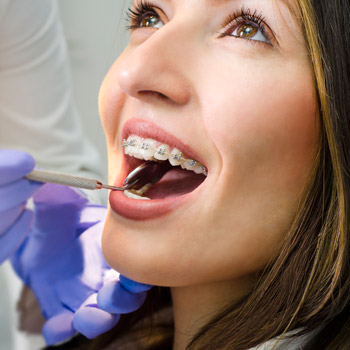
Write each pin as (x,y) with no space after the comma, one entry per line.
(228,84)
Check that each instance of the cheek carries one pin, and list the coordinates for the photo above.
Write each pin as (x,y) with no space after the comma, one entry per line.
(269,121)
(265,129)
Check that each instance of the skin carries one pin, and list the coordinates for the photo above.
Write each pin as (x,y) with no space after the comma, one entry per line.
(249,108)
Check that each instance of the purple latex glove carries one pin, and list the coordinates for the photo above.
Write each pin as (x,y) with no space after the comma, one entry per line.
(62,262)
(15,219)
(118,295)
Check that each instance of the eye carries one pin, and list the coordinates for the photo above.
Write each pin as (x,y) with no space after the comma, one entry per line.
(144,15)
(249,26)
(151,21)
(249,31)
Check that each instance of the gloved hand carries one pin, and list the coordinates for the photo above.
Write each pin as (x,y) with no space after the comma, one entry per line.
(15,219)
(62,262)
(118,295)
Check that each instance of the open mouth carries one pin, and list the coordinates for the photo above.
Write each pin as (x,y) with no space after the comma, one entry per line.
(173,175)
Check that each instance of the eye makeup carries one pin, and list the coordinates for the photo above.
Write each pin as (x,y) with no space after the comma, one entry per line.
(243,24)
(142,14)
(246,19)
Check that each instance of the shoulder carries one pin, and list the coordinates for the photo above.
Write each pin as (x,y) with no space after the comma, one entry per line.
(290,341)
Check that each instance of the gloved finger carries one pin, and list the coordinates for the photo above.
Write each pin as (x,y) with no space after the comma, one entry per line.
(59,328)
(9,217)
(78,291)
(133,286)
(57,205)
(14,165)
(114,298)
(91,321)
(16,193)
(13,238)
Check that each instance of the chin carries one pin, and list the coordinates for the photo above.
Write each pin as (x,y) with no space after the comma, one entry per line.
(135,258)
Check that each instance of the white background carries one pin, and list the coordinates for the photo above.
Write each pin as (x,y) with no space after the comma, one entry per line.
(95,37)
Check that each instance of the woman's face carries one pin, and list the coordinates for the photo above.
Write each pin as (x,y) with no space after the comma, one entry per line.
(229,84)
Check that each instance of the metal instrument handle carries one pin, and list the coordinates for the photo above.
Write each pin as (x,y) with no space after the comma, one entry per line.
(63,179)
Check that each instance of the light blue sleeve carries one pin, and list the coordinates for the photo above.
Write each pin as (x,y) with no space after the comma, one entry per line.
(37,112)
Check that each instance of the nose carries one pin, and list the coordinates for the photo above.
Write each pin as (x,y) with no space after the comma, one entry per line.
(156,69)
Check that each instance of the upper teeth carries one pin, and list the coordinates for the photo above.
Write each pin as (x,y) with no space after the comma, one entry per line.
(149,149)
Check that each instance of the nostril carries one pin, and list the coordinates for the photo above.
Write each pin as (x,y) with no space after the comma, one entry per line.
(151,93)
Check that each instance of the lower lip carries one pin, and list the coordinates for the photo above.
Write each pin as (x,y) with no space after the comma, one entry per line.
(137,209)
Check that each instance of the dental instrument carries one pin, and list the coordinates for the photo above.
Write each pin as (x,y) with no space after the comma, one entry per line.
(148,172)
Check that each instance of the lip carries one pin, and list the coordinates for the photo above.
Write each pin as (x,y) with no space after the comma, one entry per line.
(135,209)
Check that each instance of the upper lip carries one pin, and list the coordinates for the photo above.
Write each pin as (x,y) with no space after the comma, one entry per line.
(147,129)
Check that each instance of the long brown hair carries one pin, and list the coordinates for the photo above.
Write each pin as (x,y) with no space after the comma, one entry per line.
(307,286)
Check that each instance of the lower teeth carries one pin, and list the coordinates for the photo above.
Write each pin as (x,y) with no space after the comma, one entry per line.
(133,194)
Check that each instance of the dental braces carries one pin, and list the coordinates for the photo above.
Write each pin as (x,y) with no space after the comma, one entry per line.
(161,151)
(145,146)
(178,156)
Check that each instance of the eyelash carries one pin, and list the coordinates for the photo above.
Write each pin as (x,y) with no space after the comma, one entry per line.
(140,11)
(145,8)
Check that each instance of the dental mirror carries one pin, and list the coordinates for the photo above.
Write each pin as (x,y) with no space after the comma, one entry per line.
(148,172)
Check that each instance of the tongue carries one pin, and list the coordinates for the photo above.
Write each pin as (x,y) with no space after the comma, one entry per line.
(174,183)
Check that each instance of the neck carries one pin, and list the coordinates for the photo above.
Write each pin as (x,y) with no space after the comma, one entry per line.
(195,306)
